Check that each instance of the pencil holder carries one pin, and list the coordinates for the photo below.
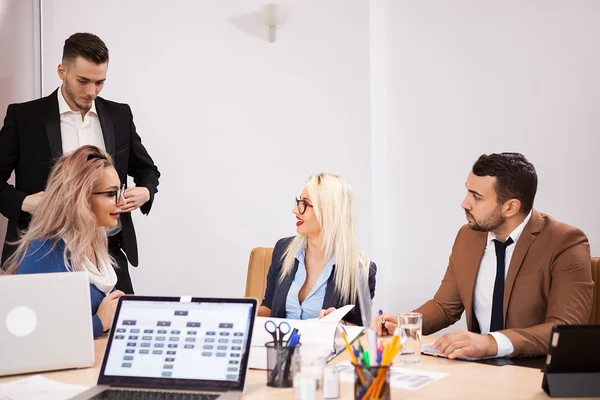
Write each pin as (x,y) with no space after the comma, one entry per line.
(280,373)
(372,383)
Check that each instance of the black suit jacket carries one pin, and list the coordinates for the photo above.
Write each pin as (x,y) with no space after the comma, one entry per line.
(276,293)
(30,143)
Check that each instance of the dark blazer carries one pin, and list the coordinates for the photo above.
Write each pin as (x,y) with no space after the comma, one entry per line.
(276,293)
(44,257)
(30,143)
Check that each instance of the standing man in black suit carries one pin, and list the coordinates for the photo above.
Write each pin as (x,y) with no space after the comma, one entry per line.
(38,132)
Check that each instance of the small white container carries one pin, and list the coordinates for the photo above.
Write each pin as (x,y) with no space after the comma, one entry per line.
(331,382)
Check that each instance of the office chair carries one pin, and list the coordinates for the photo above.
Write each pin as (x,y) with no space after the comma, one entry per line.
(258,267)
(595,316)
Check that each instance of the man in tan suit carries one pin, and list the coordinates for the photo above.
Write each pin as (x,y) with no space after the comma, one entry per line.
(515,271)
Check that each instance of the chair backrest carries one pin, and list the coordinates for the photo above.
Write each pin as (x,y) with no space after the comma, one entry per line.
(258,267)
(595,316)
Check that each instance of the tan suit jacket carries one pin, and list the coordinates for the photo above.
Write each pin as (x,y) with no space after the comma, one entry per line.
(549,282)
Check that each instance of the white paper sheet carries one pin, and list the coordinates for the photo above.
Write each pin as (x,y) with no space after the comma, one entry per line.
(337,315)
(352,332)
(38,388)
(401,378)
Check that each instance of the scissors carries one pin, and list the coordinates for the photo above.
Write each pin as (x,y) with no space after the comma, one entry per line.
(277,331)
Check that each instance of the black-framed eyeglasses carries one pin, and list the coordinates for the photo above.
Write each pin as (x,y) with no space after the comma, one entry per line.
(302,204)
(116,193)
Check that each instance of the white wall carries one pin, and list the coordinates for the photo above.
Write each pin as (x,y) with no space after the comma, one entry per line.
(234,123)
(400,97)
(471,77)
(19,69)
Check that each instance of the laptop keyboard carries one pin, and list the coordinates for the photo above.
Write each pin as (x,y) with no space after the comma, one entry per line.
(146,395)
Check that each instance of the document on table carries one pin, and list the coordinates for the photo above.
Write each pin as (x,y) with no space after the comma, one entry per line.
(401,378)
(429,350)
(38,388)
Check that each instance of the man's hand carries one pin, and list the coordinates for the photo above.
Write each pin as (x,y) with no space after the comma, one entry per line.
(31,202)
(325,312)
(135,197)
(389,321)
(463,343)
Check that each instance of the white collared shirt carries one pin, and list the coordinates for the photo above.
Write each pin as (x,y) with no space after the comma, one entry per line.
(484,286)
(313,303)
(75,131)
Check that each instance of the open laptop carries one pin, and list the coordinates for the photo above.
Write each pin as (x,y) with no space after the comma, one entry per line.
(45,322)
(176,348)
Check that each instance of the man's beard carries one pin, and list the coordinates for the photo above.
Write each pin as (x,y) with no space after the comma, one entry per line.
(74,100)
(488,224)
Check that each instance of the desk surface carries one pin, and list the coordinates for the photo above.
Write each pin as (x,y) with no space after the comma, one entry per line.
(465,380)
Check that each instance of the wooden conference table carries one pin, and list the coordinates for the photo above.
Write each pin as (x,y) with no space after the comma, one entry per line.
(465,380)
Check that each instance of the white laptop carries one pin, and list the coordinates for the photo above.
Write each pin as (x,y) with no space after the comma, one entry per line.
(45,322)
(176,348)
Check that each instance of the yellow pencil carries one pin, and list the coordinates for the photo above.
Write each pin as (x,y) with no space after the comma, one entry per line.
(389,355)
(352,356)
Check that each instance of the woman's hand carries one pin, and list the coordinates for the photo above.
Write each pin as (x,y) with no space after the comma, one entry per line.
(325,312)
(106,310)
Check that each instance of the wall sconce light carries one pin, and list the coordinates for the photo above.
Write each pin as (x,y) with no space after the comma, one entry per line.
(272,15)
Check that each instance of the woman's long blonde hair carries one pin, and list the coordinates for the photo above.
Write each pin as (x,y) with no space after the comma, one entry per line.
(65,211)
(333,204)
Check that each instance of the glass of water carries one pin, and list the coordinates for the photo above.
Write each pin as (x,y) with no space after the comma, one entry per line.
(411,327)
(313,362)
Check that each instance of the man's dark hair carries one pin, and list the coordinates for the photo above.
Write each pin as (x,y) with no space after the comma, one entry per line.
(87,46)
(515,177)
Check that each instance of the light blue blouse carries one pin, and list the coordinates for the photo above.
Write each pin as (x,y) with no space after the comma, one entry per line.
(313,303)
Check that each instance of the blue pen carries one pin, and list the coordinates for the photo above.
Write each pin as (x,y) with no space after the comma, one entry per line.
(294,333)
(293,341)
(383,322)
(362,392)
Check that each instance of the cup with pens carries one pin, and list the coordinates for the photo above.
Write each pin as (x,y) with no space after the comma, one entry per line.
(372,377)
(280,352)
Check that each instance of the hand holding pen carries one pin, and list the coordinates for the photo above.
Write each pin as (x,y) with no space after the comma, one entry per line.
(385,324)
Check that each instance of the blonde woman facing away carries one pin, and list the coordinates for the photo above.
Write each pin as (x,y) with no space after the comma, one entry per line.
(83,196)
(316,271)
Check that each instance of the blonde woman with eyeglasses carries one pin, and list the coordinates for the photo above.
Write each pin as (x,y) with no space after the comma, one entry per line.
(83,197)
(315,272)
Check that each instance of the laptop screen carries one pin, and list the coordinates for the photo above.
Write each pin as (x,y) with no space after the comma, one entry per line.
(164,342)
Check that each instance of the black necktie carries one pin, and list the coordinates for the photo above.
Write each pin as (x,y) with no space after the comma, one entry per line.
(497,322)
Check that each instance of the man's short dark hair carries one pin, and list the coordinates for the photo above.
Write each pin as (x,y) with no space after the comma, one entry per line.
(87,46)
(515,177)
